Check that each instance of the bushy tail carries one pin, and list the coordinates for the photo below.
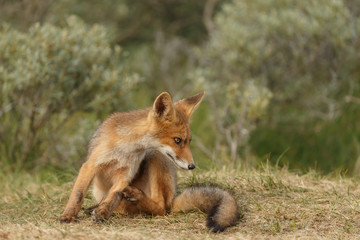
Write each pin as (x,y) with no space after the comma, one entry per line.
(220,206)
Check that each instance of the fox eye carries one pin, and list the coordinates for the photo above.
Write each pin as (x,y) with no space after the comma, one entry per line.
(177,140)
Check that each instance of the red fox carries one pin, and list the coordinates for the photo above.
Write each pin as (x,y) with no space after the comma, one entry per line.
(130,161)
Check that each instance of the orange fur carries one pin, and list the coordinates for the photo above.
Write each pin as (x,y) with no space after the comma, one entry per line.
(119,146)
(153,191)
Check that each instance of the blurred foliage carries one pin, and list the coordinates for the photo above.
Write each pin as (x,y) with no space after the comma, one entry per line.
(300,50)
(305,53)
(135,22)
(51,77)
(282,77)
(335,146)
(131,22)
(236,101)
(158,35)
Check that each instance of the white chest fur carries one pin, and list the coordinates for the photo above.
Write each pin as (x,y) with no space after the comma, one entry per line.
(129,154)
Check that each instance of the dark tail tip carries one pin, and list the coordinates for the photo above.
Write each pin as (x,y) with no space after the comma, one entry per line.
(211,222)
(215,221)
(214,226)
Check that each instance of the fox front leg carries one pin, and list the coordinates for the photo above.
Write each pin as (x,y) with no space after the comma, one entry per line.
(82,183)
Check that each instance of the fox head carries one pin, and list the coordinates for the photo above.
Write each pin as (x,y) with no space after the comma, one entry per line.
(171,122)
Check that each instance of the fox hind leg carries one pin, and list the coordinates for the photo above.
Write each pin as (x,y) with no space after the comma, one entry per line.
(121,179)
(143,202)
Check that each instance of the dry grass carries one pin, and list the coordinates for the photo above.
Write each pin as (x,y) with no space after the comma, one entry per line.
(275,204)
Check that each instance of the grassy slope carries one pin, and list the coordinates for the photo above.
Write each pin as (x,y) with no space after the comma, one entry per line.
(274,203)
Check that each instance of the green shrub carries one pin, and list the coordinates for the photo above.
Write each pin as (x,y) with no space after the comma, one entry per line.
(236,97)
(54,81)
(298,49)
(306,53)
(303,52)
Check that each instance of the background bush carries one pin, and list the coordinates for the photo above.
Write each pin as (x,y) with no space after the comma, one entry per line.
(51,78)
(304,53)
(282,77)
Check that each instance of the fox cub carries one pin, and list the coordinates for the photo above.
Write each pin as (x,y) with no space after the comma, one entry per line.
(131,160)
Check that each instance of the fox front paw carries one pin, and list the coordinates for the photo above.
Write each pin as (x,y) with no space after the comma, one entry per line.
(67,218)
(132,194)
(100,214)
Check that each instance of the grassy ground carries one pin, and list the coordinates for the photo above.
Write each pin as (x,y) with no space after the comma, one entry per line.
(275,204)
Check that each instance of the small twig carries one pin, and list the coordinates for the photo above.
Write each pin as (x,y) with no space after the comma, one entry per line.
(208,14)
(352,99)
(202,147)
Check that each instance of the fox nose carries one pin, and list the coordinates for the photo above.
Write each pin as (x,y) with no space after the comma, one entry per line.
(191,166)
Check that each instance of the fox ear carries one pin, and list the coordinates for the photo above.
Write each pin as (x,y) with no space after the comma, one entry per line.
(189,105)
(163,107)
